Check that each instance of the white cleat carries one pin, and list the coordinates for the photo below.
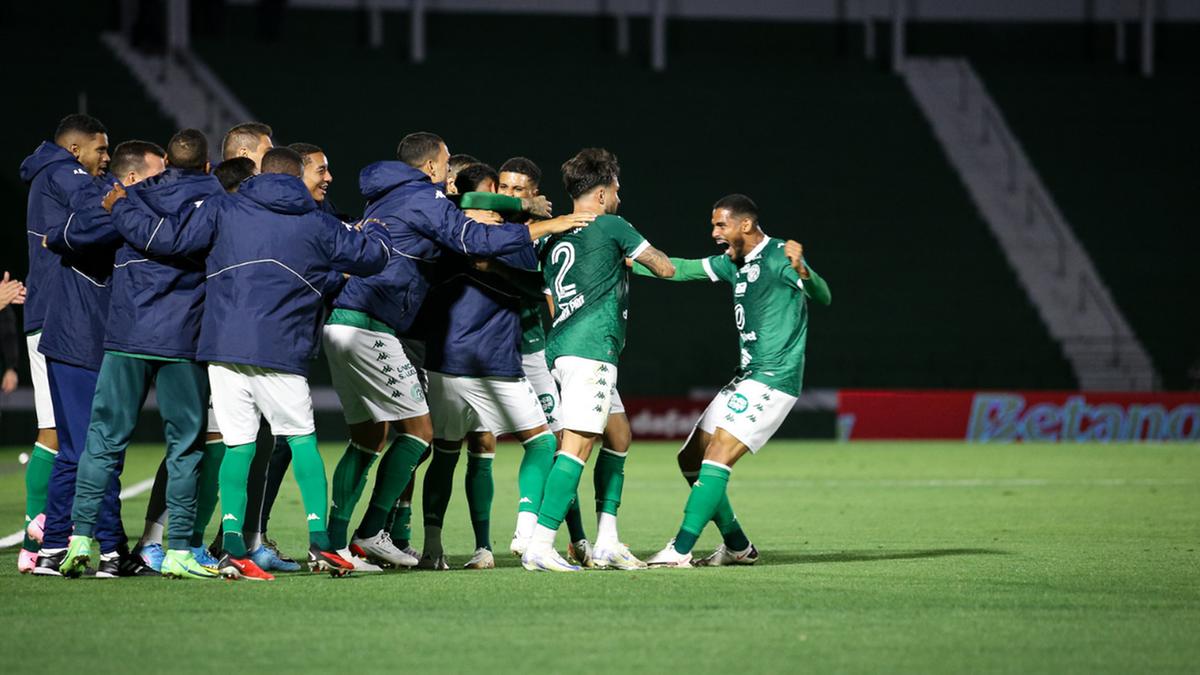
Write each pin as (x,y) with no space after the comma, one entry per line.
(546,559)
(669,557)
(380,549)
(580,553)
(360,564)
(518,545)
(615,557)
(482,560)
(430,562)
(723,557)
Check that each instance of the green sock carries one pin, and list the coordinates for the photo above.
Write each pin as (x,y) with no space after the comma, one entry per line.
(439,483)
(395,472)
(401,527)
(37,481)
(235,469)
(480,490)
(731,530)
(349,481)
(206,489)
(309,470)
(535,466)
(609,479)
(574,519)
(702,503)
(561,486)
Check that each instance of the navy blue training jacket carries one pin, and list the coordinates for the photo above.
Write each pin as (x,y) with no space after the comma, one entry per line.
(271,255)
(422,225)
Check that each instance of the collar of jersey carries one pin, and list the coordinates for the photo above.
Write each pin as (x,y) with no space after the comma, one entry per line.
(757,250)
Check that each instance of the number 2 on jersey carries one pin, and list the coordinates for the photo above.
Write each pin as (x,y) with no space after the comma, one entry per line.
(564,251)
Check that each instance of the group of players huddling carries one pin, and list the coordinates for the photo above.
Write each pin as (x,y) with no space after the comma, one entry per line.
(218,286)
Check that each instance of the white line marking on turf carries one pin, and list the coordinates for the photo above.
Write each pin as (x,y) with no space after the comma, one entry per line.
(131,491)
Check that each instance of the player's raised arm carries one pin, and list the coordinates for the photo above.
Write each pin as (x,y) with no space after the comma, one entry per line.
(686,269)
(657,262)
(359,252)
(814,286)
(87,228)
(187,232)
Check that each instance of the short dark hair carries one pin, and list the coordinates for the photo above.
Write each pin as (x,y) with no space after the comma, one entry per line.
(188,149)
(283,160)
(523,166)
(233,171)
(79,123)
(304,150)
(418,147)
(244,135)
(589,168)
(738,205)
(462,160)
(131,156)
(469,178)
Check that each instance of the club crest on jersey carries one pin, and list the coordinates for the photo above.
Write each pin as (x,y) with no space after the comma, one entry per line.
(738,403)
(752,273)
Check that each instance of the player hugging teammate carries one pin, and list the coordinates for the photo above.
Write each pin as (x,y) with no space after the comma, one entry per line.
(217,285)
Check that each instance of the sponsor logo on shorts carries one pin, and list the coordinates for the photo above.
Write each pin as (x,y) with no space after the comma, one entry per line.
(547,402)
(738,403)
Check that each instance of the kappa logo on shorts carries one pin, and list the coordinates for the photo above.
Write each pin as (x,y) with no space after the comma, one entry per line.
(381,357)
(377,345)
(547,402)
(418,393)
(738,403)
(598,409)
(391,381)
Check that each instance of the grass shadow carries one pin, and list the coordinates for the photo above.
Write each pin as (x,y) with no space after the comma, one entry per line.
(796,558)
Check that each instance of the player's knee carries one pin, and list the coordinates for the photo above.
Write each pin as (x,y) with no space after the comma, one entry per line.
(418,427)
(48,438)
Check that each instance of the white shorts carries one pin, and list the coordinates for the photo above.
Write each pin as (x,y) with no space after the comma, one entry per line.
(616,406)
(538,374)
(749,410)
(240,394)
(41,383)
(213,427)
(588,389)
(372,376)
(501,405)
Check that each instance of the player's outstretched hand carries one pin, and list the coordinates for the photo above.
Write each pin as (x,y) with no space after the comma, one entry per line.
(12,292)
(486,217)
(569,221)
(795,253)
(8,384)
(115,194)
(538,206)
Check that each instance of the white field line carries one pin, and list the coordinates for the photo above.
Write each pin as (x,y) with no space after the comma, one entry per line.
(131,491)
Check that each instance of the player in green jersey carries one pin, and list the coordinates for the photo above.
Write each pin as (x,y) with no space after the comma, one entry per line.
(585,272)
(772,284)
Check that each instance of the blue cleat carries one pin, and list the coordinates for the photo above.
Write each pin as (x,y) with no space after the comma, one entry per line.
(268,559)
(153,555)
(203,557)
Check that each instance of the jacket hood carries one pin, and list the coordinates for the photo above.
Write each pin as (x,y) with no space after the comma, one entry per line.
(278,192)
(167,191)
(377,179)
(46,154)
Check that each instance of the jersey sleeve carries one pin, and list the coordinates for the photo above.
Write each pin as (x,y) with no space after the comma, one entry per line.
(686,269)
(490,201)
(816,288)
(630,241)
(719,268)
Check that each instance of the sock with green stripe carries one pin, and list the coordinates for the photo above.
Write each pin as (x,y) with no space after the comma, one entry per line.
(707,493)
(395,473)
(349,481)
(207,485)
(309,470)
(37,482)
(480,491)
(561,486)
(727,523)
(235,469)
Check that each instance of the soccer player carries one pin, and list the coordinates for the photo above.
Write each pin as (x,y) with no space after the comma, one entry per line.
(772,284)
(270,257)
(150,337)
(232,172)
(248,139)
(586,274)
(456,163)
(376,384)
(477,387)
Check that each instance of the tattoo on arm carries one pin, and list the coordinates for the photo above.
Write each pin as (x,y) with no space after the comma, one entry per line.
(657,262)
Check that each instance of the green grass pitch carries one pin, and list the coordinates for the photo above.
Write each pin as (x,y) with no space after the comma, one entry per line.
(932,557)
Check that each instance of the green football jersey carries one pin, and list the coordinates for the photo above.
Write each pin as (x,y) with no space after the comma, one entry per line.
(586,274)
(771,314)
(533,333)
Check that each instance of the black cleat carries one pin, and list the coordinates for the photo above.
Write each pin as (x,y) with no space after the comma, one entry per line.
(109,567)
(48,562)
(132,565)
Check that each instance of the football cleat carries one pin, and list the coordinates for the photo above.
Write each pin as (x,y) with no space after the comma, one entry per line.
(152,555)
(546,559)
(241,568)
(26,561)
(183,565)
(616,557)
(268,558)
(290,565)
(35,528)
(580,553)
(49,561)
(132,565)
(430,562)
(79,554)
(723,557)
(109,567)
(203,557)
(482,560)
(669,557)
(328,561)
(380,549)
(518,545)
(360,564)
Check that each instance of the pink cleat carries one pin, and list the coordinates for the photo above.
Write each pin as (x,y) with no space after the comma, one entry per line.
(34,527)
(26,561)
